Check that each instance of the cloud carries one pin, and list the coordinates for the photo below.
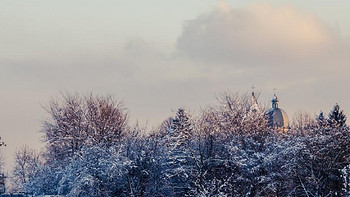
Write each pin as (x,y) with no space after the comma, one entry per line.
(257,34)
(271,47)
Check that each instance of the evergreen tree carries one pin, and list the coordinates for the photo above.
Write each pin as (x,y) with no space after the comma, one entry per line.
(321,120)
(179,169)
(336,118)
(180,129)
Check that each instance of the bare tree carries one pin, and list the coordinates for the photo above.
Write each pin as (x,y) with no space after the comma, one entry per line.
(26,162)
(77,121)
(303,121)
(106,119)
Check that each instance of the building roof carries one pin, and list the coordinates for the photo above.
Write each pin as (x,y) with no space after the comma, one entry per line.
(278,118)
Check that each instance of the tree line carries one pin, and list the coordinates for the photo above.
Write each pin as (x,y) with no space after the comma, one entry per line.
(224,150)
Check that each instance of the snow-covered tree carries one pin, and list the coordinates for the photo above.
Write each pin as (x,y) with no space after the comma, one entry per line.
(336,118)
(346,180)
(96,172)
(2,144)
(304,121)
(26,162)
(226,150)
(106,119)
(147,154)
(179,169)
(227,133)
(321,120)
(65,132)
(77,121)
(320,162)
(232,110)
(180,131)
(44,181)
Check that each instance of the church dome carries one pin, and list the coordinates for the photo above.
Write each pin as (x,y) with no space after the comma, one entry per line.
(277,117)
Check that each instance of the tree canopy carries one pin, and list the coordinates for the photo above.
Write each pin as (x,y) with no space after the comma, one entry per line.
(222,150)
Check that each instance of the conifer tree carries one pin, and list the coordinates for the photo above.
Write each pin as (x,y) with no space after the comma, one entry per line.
(336,118)
(179,167)
(321,120)
(180,129)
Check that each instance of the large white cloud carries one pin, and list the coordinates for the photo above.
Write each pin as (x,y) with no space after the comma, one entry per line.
(257,34)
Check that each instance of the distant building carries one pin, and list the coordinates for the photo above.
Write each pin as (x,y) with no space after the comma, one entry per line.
(277,117)
(253,105)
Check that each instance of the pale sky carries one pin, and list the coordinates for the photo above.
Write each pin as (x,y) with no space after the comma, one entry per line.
(159,55)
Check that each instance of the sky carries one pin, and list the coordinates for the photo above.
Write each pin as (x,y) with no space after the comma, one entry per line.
(159,55)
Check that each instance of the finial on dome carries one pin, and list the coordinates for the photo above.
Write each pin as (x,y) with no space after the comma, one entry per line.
(253,90)
(274,102)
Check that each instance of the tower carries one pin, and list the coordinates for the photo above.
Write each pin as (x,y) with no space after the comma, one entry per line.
(253,105)
(277,117)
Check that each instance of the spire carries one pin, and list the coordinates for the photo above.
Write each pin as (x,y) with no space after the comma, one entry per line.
(254,106)
(253,100)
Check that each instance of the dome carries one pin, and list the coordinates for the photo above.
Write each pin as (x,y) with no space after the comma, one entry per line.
(278,118)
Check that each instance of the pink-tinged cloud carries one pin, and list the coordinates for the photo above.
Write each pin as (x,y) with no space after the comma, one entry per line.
(260,33)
